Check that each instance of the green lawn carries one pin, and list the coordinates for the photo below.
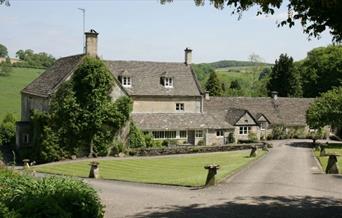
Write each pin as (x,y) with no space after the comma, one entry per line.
(332,148)
(10,87)
(184,170)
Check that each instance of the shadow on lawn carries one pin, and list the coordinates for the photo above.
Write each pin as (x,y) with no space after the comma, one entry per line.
(301,144)
(255,207)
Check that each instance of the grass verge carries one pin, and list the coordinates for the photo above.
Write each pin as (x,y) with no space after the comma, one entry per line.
(184,170)
(332,148)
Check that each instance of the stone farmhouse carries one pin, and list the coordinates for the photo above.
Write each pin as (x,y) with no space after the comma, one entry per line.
(168,102)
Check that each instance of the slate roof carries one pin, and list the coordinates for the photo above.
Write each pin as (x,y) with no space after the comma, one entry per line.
(173,121)
(233,115)
(48,81)
(287,111)
(146,77)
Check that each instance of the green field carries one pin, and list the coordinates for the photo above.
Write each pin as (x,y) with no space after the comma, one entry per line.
(332,148)
(10,87)
(184,170)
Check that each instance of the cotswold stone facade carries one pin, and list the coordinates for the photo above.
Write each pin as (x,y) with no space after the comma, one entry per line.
(168,102)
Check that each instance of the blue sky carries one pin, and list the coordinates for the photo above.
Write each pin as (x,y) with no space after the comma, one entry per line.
(146,30)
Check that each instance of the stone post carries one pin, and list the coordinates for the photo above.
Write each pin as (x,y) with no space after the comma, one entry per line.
(26,164)
(332,164)
(94,170)
(322,152)
(212,171)
(253,151)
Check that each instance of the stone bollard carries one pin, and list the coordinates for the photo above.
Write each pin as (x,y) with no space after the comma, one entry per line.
(332,164)
(94,170)
(26,164)
(212,171)
(253,151)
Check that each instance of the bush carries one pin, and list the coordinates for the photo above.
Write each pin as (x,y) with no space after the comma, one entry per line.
(231,138)
(279,132)
(200,143)
(136,137)
(252,137)
(7,130)
(165,143)
(48,197)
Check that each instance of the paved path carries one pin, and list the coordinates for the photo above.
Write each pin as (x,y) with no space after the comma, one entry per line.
(285,183)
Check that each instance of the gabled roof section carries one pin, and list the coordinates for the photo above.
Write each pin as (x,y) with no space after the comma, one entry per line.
(261,118)
(234,115)
(49,80)
(287,111)
(146,78)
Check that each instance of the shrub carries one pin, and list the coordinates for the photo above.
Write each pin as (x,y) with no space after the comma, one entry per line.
(252,137)
(149,142)
(48,197)
(7,130)
(231,138)
(279,132)
(165,143)
(200,143)
(136,137)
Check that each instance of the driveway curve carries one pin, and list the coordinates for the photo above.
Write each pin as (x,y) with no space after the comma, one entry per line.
(287,182)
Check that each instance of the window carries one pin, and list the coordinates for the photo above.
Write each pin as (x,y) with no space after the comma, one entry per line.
(219,133)
(126,81)
(179,106)
(26,138)
(244,130)
(168,82)
(182,134)
(198,133)
(164,134)
(262,125)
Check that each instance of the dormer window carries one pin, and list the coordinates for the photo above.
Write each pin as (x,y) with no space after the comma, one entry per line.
(126,81)
(168,82)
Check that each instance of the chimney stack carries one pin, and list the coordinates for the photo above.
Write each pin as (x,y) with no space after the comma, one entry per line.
(206,95)
(188,56)
(91,43)
(274,95)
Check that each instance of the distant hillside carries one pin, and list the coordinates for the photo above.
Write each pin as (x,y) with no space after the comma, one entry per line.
(234,63)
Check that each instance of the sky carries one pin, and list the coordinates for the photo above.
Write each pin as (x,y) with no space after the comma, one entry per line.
(147,30)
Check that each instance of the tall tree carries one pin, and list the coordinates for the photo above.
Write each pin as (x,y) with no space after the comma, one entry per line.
(326,110)
(315,16)
(284,78)
(213,85)
(321,70)
(3,51)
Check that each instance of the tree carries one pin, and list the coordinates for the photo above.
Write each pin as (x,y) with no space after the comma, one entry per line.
(7,130)
(321,70)
(284,78)
(3,51)
(326,110)
(315,16)
(37,60)
(235,85)
(213,85)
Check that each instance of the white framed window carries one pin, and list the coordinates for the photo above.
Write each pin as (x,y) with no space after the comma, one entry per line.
(183,134)
(262,125)
(26,138)
(168,82)
(199,134)
(219,133)
(180,107)
(126,81)
(164,134)
(244,130)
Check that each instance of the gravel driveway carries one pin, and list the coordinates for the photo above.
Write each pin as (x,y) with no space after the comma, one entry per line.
(287,182)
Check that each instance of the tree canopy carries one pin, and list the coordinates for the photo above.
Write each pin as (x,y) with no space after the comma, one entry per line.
(3,51)
(213,85)
(321,70)
(315,16)
(326,110)
(36,60)
(284,78)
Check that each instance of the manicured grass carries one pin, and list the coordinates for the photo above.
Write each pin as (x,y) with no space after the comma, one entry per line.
(184,170)
(10,87)
(332,148)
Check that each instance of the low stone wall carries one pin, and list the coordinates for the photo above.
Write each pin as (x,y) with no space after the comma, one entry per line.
(192,149)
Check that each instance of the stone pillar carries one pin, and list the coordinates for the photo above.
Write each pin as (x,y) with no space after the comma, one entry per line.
(26,164)
(332,165)
(94,170)
(212,171)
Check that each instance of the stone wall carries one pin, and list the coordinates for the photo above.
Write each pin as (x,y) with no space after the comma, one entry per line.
(30,102)
(166,104)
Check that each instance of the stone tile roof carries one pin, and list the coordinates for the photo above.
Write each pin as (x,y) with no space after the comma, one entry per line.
(48,81)
(233,115)
(146,78)
(287,111)
(174,121)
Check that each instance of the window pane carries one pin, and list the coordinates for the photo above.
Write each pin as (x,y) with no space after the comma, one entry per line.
(182,134)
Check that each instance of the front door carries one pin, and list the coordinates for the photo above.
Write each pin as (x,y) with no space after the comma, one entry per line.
(191,137)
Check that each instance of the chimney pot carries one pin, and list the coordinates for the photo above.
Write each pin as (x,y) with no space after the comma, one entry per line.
(188,56)
(91,43)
